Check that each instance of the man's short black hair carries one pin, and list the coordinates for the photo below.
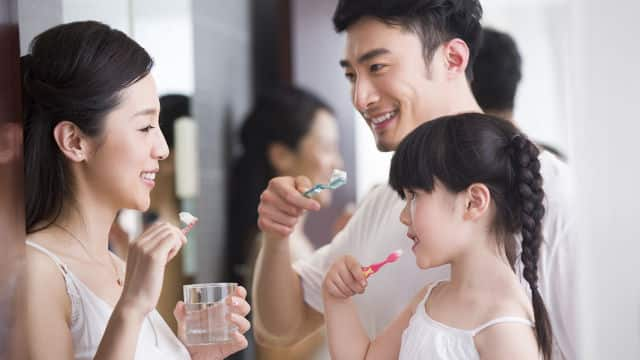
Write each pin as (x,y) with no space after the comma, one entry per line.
(434,21)
(497,71)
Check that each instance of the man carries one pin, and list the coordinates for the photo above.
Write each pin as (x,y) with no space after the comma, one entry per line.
(408,62)
(497,71)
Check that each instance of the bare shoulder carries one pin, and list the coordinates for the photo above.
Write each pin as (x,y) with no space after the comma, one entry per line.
(508,339)
(48,307)
(45,279)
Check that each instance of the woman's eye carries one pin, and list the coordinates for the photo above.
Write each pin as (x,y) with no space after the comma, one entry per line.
(146,129)
(351,77)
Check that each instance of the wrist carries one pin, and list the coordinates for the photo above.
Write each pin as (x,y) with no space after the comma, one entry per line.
(128,312)
(275,243)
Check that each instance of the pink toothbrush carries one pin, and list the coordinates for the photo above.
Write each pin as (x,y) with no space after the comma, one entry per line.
(373,268)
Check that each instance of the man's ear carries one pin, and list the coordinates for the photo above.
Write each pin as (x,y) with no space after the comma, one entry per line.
(477,201)
(456,57)
(280,157)
(71,141)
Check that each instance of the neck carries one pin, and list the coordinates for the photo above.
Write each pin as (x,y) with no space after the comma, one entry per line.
(481,267)
(89,220)
(503,114)
(463,100)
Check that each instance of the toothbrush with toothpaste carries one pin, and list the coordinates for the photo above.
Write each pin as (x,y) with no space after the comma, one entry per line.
(338,178)
(189,220)
(374,268)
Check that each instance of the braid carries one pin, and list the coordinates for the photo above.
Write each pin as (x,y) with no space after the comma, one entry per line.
(531,194)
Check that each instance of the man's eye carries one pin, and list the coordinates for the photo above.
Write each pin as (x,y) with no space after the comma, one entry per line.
(376,67)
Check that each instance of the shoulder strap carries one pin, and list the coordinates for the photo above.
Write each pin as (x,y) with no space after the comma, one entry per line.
(52,256)
(502,320)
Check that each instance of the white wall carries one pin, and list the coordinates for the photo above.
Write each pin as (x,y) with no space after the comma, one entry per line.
(163,27)
(604,130)
(539,29)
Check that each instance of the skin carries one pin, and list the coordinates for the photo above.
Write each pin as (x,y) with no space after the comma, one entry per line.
(483,287)
(108,173)
(316,156)
(387,72)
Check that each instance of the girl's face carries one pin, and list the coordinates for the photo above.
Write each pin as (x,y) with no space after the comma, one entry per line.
(125,159)
(317,154)
(435,224)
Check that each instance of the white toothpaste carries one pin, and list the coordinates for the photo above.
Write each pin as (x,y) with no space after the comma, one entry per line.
(187,218)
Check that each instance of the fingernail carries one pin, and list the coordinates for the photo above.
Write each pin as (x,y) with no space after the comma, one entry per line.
(235,301)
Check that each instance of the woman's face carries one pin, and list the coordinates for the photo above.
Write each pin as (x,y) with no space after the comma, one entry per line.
(317,154)
(126,157)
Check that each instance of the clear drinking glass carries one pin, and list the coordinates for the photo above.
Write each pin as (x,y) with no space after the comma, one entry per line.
(207,319)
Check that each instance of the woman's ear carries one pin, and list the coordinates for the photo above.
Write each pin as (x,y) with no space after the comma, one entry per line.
(71,141)
(280,157)
(477,201)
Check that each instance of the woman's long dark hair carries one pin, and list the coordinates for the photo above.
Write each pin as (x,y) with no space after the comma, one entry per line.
(285,116)
(73,72)
(472,148)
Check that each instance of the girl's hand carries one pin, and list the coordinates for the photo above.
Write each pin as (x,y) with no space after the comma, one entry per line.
(240,308)
(146,262)
(344,279)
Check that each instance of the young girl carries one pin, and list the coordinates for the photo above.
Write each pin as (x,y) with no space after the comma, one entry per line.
(471,184)
(93,146)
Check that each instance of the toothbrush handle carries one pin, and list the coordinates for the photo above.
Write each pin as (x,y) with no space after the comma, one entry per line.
(315,189)
(373,268)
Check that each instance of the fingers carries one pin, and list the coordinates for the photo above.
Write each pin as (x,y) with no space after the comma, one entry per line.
(241,292)
(303,183)
(240,321)
(345,278)
(239,343)
(238,305)
(180,313)
(269,226)
(287,191)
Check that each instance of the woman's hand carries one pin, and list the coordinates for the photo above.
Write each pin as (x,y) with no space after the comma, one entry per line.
(344,279)
(239,309)
(146,262)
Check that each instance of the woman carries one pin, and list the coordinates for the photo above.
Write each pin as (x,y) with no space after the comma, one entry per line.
(92,147)
(289,132)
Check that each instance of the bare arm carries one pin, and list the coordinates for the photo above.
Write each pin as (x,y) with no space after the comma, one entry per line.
(281,316)
(347,337)
(280,313)
(47,321)
(507,341)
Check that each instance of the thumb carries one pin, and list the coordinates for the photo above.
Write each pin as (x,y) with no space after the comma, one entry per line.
(303,183)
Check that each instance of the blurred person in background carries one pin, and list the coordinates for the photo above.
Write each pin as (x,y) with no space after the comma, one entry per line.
(289,132)
(497,72)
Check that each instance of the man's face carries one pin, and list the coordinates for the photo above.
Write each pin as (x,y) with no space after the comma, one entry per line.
(391,86)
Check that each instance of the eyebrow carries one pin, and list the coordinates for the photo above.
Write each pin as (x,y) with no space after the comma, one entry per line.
(151,111)
(366,56)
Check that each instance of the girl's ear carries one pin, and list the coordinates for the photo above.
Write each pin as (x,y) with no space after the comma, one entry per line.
(477,201)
